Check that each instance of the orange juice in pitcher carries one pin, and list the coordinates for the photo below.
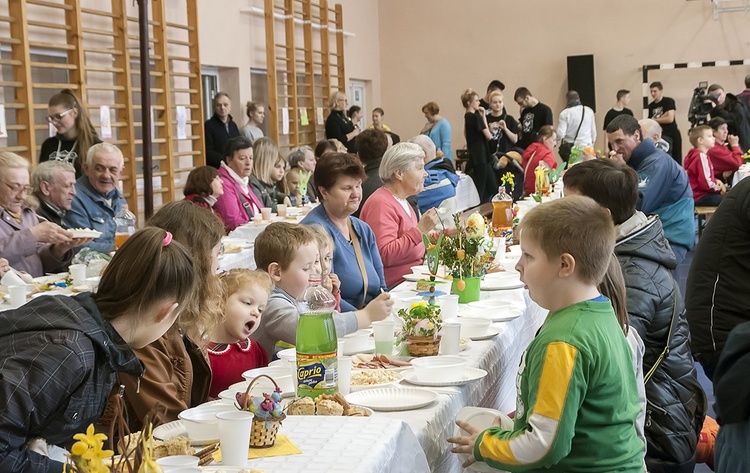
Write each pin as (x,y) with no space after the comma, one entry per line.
(502,215)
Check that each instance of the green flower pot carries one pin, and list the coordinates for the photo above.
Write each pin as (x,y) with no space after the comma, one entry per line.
(470,292)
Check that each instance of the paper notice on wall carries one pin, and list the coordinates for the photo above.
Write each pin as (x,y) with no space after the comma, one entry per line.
(3,130)
(319,115)
(181,122)
(303,117)
(284,121)
(52,130)
(105,122)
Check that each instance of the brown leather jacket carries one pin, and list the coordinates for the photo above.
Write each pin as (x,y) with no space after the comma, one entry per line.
(178,376)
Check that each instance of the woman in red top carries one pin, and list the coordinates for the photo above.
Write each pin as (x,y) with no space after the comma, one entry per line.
(231,352)
(203,186)
(537,152)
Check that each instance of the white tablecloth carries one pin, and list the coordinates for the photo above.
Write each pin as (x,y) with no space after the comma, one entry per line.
(466,193)
(741,173)
(347,445)
(500,357)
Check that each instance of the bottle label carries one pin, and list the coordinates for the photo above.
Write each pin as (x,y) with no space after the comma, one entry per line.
(317,374)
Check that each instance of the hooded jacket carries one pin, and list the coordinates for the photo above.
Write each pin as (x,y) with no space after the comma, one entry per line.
(58,359)
(676,402)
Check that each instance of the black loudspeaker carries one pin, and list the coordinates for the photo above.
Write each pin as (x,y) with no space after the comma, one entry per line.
(581,78)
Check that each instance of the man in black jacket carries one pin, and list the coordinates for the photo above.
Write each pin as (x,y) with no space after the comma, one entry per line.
(734,111)
(219,128)
(54,184)
(676,403)
(716,296)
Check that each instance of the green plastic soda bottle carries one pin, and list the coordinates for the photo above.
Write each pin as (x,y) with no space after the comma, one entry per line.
(317,362)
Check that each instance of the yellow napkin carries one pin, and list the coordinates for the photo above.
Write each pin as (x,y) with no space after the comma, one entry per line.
(283,446)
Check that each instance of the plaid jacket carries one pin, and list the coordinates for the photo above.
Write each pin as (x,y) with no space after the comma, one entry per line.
(58,359)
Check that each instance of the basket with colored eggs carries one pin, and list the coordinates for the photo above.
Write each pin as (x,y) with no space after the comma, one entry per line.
(267,413)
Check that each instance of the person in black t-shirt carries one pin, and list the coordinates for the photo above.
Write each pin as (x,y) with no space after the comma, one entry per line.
(75,133)
(535,115)
(477,135)
(620,108)
(663,110)
(503,127)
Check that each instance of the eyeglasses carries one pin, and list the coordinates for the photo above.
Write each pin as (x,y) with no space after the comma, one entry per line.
(58,116)
(18,188)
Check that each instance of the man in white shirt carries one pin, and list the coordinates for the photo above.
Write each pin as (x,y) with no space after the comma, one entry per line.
(576,114)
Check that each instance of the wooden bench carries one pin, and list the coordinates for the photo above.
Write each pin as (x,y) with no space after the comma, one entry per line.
(704,215)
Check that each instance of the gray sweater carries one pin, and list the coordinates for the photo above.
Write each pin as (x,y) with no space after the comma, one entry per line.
(279,322)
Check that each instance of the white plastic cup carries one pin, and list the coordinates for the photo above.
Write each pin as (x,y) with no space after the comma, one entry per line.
(340,347)
(234,437)
(345,374)
(93,283)
(450,339)
(265,213)
(17,295)
(448,306)
(12,279)
(78,273)
(499,246)
(281,210)
(383,333)
(185,461)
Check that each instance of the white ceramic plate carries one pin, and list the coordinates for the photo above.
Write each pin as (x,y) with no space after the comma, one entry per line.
(238,242)
(512,313)
(85,233)
(53,292)
(370,348)
(361,387)
(411,277)
(499,283)
(482,418)
(492,331)
(393,399)
(175,428)
(469,374)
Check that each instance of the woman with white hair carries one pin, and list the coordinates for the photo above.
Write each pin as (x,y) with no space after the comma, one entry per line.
(28,243)
(396,226)
(338,125)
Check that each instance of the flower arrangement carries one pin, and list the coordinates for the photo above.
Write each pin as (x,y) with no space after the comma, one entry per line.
(421,320)
(465,251)
(87,454)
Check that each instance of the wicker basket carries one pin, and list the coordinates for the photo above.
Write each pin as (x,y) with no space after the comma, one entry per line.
(424,346)
(263,432)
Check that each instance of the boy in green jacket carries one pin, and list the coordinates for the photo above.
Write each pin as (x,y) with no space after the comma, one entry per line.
(577,395)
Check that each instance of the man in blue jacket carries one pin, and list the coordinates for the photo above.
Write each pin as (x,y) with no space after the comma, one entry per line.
(663,186)
(440,183)
(98,199)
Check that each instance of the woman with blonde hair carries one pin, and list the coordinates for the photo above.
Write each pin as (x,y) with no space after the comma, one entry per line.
(477,137)
(75,133)
(256,115)
(268,169)
(338,125)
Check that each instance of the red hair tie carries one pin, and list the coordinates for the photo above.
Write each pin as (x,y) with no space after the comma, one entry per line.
(167,239)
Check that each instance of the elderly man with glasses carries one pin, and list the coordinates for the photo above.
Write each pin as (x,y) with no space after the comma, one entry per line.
(29,243)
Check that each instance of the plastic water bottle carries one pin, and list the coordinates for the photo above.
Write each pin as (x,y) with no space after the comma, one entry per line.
(125,221)
(317,362)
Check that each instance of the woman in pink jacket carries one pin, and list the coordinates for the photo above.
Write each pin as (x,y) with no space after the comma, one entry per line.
(397,229)
(238,204)
(537,152)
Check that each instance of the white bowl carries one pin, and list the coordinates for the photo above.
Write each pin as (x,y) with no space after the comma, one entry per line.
(174,461)
(489,308)
(357,342)
(473,326)
(439,368)
(201,423)
(419,270)
(281,374)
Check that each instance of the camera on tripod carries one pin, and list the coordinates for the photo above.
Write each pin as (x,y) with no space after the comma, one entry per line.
(701,105)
